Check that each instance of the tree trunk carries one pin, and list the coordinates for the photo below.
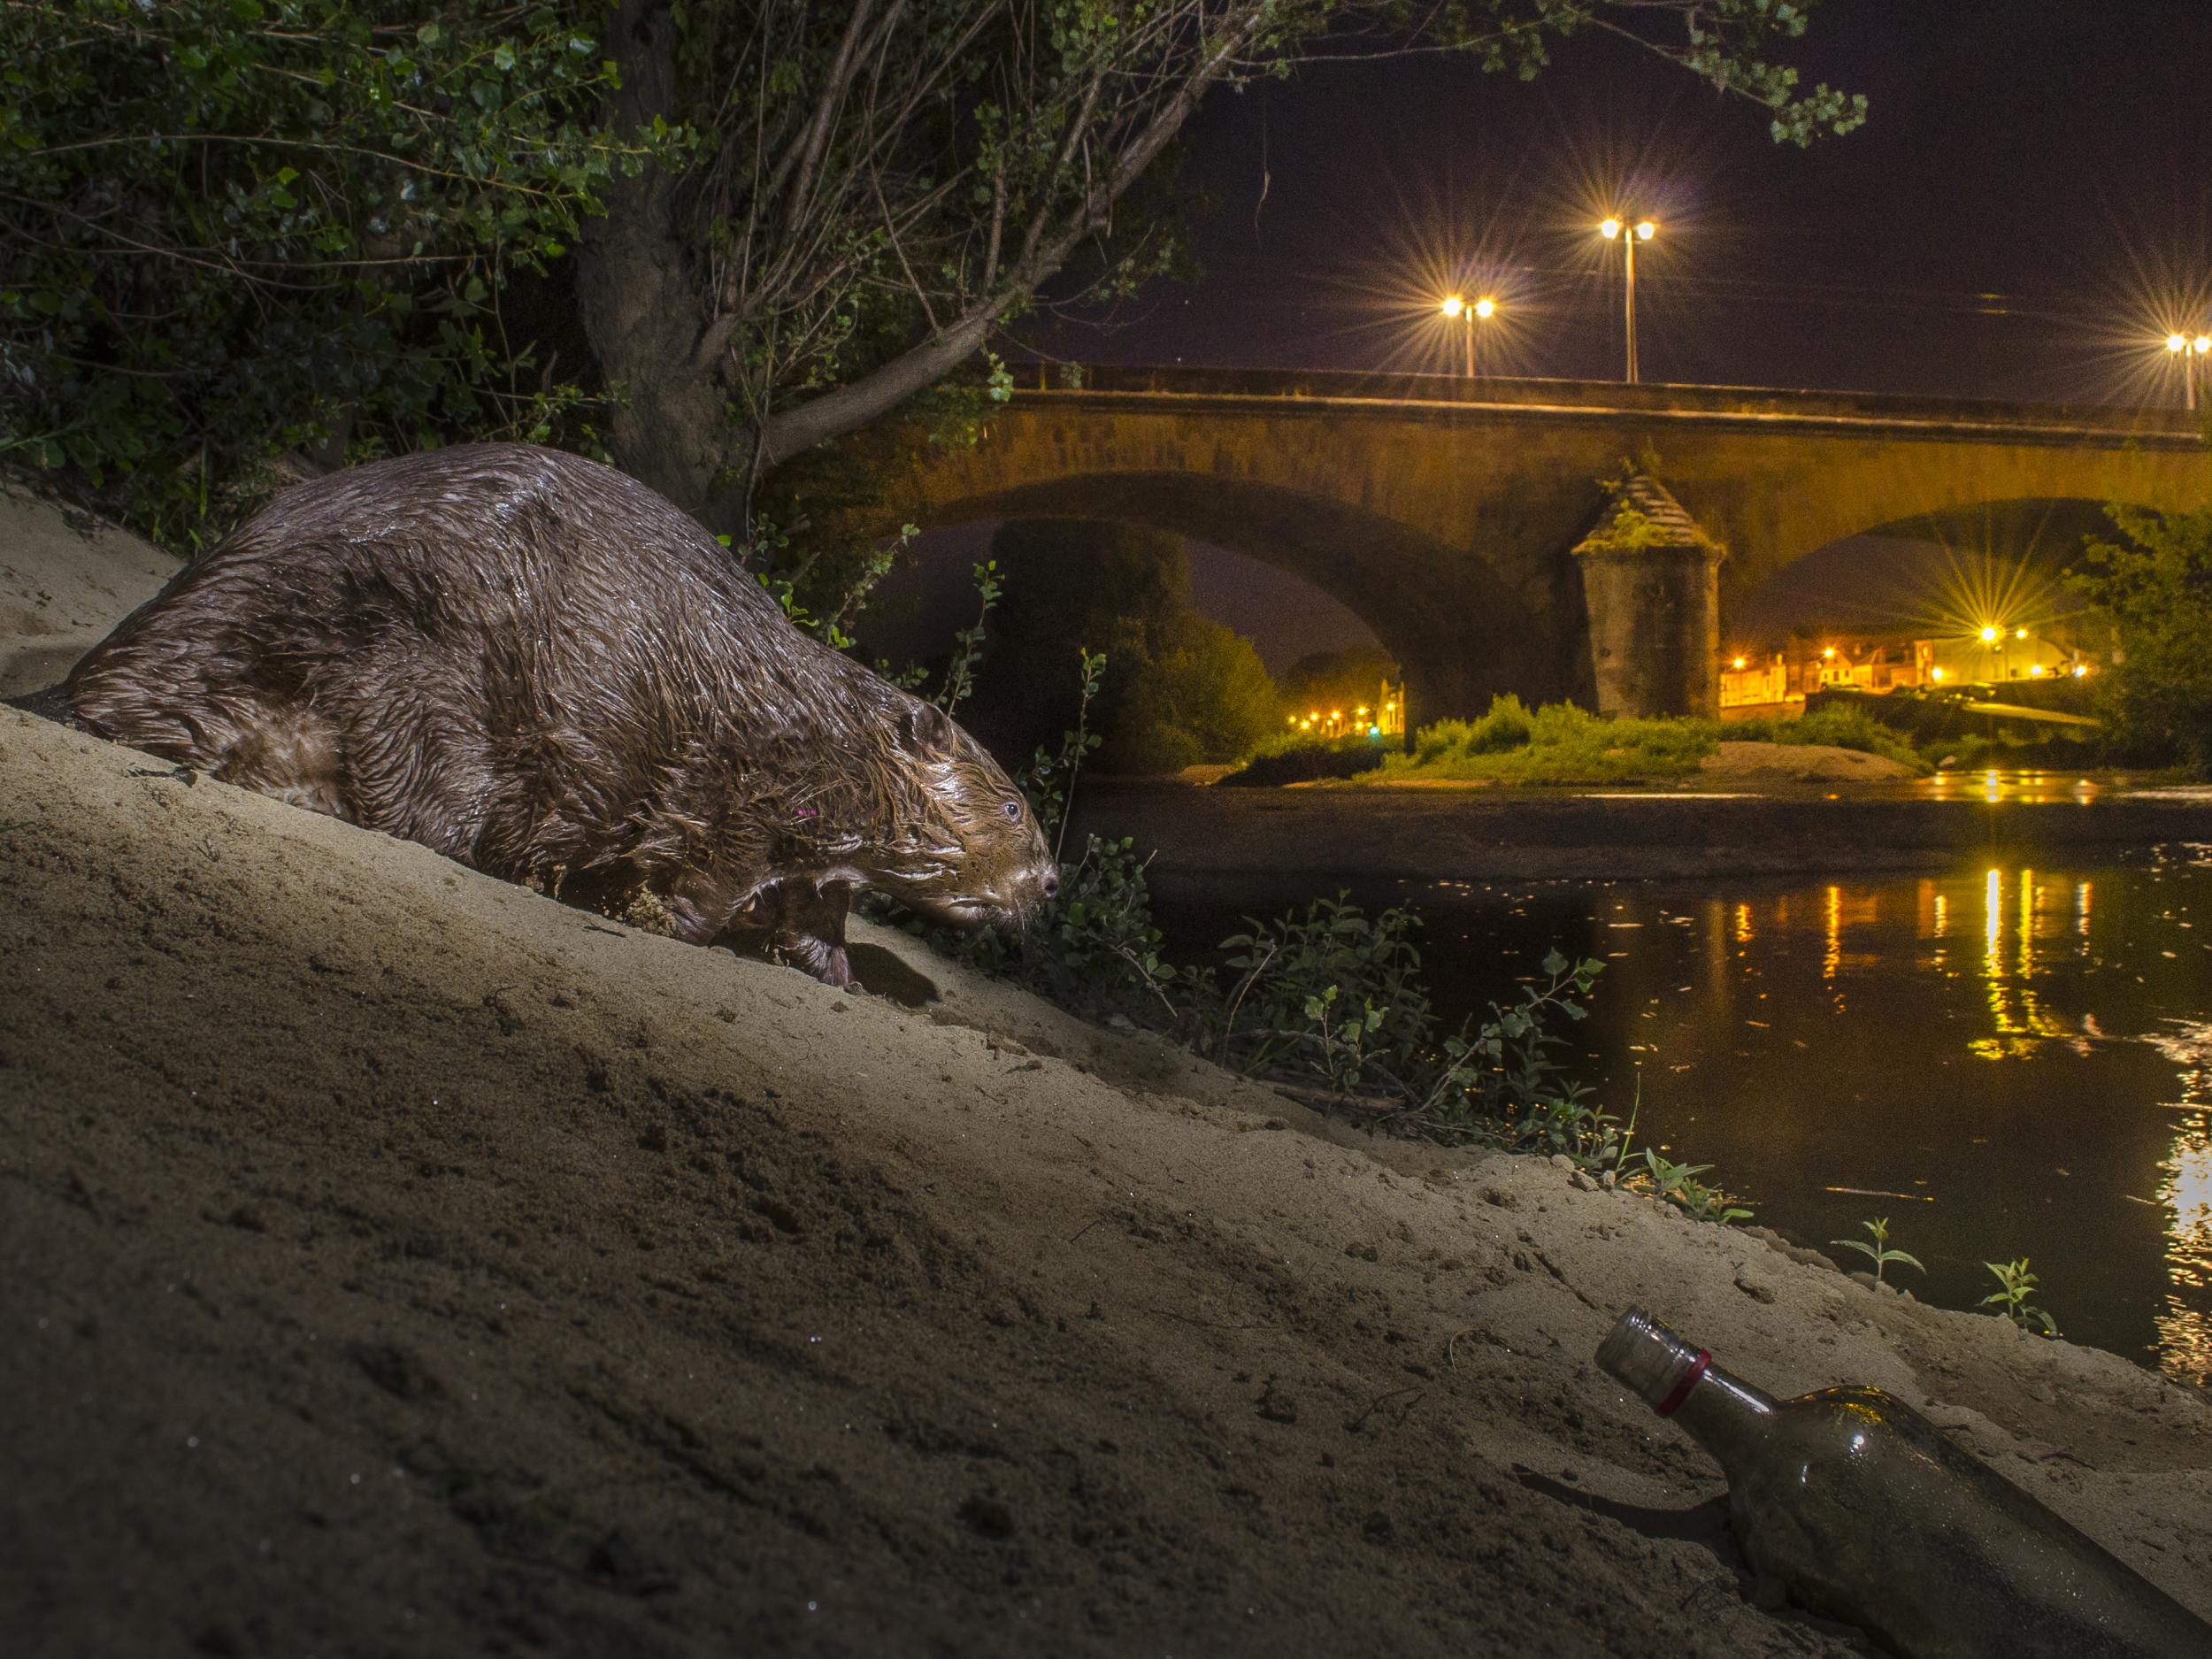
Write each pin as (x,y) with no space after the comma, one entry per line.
(638,291)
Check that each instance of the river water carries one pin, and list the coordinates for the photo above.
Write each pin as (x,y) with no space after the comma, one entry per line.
(2007,1059)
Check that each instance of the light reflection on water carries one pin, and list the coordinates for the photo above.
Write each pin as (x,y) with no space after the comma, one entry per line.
(2185,1326)
(2021,1054)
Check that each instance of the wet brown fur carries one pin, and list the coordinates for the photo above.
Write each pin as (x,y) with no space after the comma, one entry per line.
(539,667)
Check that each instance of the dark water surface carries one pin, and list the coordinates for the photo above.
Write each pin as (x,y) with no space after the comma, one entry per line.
(2005,1060)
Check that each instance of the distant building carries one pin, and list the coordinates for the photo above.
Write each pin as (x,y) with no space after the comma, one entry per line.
(1776,681)
(1385,717)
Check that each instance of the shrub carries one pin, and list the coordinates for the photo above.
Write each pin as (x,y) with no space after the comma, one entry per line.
(2156,582)
(1506,724)
(1556,743)
(1299,757)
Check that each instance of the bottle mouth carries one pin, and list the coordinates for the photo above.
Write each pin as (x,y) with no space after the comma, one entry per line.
(1644,1356)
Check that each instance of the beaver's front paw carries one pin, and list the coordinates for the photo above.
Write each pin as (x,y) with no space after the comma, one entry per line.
(818,956)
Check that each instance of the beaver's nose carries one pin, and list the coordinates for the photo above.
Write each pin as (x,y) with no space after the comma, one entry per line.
(1051,884)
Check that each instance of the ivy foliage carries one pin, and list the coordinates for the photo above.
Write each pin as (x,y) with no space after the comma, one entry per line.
(238,228)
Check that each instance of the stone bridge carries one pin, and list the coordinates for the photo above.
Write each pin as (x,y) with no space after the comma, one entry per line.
(1445,512)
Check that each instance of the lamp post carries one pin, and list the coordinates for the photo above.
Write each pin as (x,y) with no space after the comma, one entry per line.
(1994,640)
(2186,351)
(1615,230)
(1455,308)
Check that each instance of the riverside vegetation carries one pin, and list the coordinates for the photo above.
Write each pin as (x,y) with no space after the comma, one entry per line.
(1561,742)
(1329,1006)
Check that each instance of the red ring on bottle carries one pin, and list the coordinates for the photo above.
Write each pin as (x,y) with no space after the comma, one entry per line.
(1690,1380)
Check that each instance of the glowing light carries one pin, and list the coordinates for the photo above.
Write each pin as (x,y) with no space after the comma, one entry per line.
(1828,650)
(1739,662)
(1646,231)
(1453,305)
(2019,634)
(1935,673)
(1609,229)
(2202,343)
(1486,308)
(2176,342)
(2081,669)
(2035,670)
(1990,634)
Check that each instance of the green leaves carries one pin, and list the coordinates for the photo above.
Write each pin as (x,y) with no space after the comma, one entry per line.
(235,226)
(1678,1185)
(2016,1287)
(1879,1252)
(2155,583)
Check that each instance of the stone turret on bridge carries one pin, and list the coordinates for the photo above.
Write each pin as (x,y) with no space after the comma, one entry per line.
(1445,511)
(1651,594)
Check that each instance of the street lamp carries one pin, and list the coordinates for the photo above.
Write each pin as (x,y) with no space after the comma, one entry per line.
(1616,230)
(2187,350)
(1455,308)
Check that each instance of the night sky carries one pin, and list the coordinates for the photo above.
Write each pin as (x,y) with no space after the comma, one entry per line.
(2026,215)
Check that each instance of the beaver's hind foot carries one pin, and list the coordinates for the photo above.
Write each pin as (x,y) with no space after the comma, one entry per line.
(808,929)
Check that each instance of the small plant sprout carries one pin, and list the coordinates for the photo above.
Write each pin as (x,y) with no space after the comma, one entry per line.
(1879,1252)
(1678,1185)
(2014,1296)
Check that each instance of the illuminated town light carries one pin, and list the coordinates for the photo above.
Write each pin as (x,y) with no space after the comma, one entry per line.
(2035,670)
(1609,228)
(1486,308)
(1739,662)
(2019,634)
(2203,344)
(2176,342)
(1646,231)
(1828,650)
(2081,669)
(1453,305)
(1935,673)
(1990,634)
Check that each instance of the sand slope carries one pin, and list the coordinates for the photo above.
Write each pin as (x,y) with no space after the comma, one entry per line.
(65,578)
(398,1261)
(393,1262)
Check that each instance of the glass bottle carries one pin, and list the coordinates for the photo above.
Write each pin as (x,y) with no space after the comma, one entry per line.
(1865,1512)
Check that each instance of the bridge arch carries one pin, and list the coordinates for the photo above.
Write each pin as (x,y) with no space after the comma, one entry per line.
(1934,573)
(1382,570)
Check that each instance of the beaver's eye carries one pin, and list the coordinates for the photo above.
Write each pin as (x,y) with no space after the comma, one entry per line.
(1014,811)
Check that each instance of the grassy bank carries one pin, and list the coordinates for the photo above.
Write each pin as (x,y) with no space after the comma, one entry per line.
(1562,743)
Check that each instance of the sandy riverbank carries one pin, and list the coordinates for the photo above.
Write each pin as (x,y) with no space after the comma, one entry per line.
(398,1263)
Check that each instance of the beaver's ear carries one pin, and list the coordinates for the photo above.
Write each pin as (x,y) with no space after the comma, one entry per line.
(928,725)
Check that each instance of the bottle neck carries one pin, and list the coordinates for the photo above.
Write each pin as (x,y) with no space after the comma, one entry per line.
(1724,1414)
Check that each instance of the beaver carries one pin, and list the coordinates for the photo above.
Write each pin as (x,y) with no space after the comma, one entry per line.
(539,667)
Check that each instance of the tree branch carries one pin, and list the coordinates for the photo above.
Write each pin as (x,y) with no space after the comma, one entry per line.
(853,404)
